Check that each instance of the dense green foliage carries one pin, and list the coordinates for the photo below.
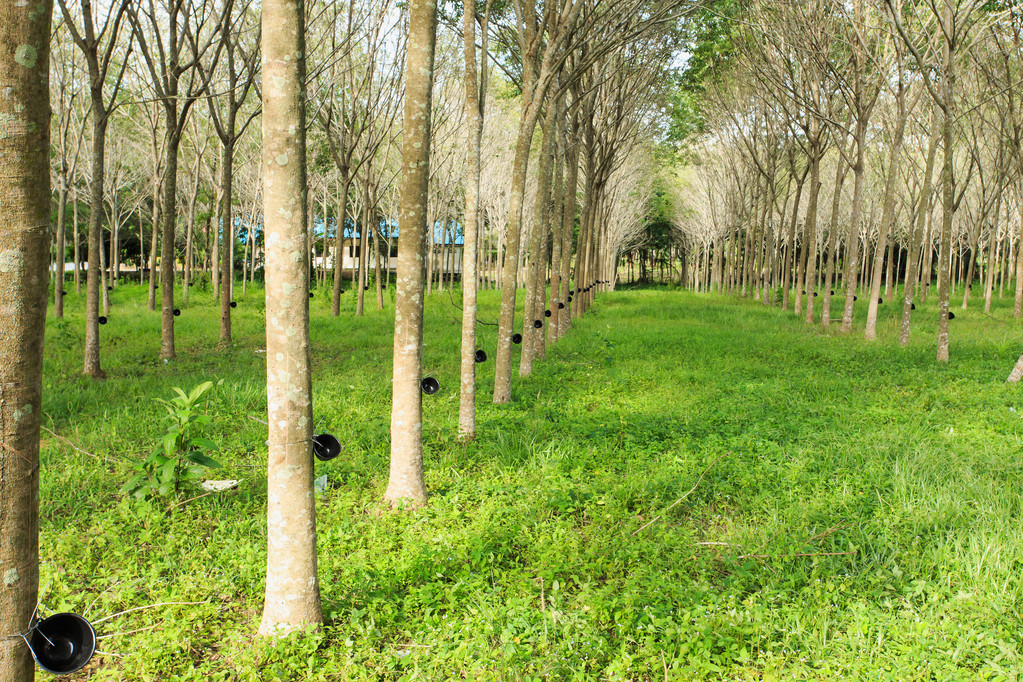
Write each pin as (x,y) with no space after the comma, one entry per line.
(878,492)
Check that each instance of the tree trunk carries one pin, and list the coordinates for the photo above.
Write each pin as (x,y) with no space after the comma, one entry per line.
(77,254)
(227,229)
(474,136)
(855,218)
(947,203)
(292,599)
(152,248)
(571,144)
(58,288)
(530,335)
(830,277)
(887,225)
(557,240)
(170,215)
(24,252)
(339,244)
(510,281)
(992,256)
(916,237)
(94,274)
(808,261)
(406,481)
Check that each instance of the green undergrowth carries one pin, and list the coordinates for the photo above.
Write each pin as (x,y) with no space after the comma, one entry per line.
(858,514)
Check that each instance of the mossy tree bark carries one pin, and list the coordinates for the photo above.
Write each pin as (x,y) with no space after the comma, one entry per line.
(292,588)
(24,254)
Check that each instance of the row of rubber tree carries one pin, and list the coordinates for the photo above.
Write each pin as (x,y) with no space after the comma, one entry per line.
(582,66)
(851,145)
(130,137)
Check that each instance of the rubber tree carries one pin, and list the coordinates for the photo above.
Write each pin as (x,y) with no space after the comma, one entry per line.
(69,122)
(916,237)
(542,42)
(536,272)
(174,65)
(355,96)
(406,482)
(475,97)
(24,250)
(903,109)
(238,78)
(99,57)
(292,598)
(938,60)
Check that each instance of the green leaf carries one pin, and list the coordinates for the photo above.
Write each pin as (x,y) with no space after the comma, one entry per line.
(204,443)
(133,484)
(199,391)
(202,460)
(166,472)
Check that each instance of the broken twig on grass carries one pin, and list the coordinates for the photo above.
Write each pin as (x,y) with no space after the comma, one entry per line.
(797,554)
(75,447)
(679,500)
(178,504)
(149,606)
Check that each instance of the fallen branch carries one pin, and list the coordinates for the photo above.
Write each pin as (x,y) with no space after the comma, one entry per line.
(797,554)
(679,500)
(178,504)
(149,606)
(75,447)
(130,632)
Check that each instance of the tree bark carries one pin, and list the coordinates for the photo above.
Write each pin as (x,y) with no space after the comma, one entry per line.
(94,274)
(532,308)
(407,482)
(170,217)
(916,237)
(887,223)
(58,288)
(292,587)
(808,260)
(510,275)
(24,253)
(855,218)
(474,136)
(339,244)
(227,230)
(571,144)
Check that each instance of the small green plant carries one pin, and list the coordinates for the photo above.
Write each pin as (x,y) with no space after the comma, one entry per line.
(182,454)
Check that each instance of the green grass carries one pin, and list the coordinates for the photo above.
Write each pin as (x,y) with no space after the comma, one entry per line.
(861,517)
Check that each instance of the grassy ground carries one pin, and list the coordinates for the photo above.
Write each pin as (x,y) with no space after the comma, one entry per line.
(859,516)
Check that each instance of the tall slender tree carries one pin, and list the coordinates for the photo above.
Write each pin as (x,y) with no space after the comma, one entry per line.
(292,587)
(24,244)
(173,63)
(99,58)
(407,481)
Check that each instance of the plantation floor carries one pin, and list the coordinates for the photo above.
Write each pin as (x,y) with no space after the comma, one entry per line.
(859,516)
